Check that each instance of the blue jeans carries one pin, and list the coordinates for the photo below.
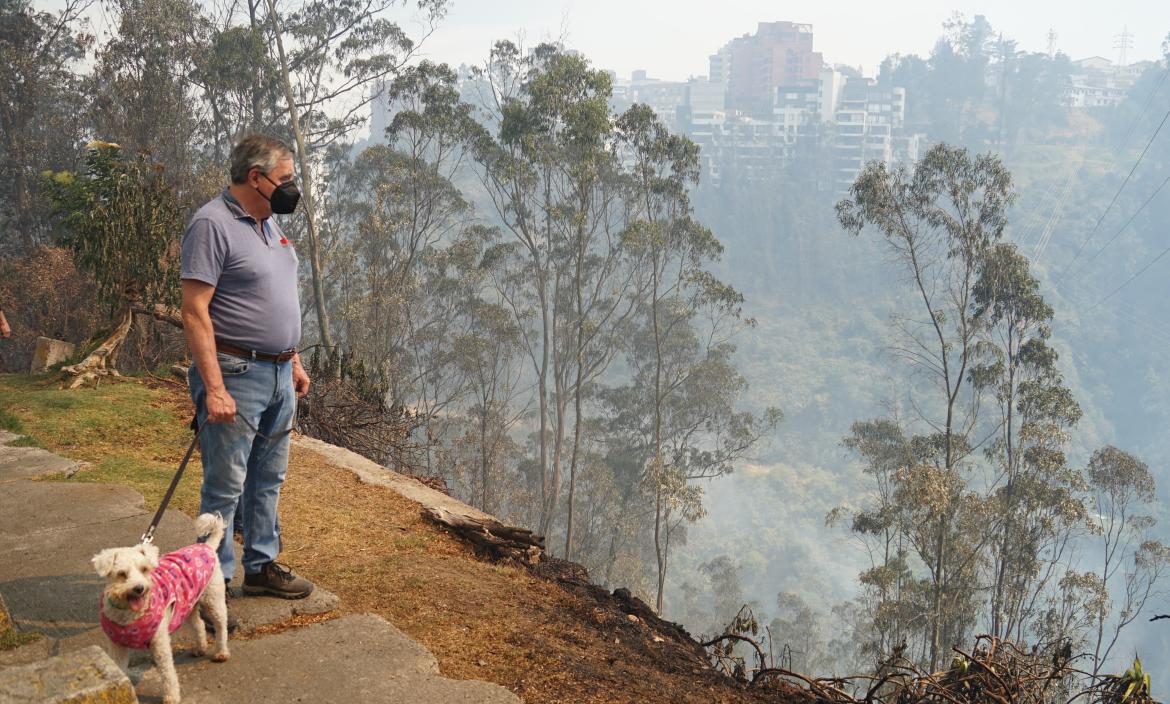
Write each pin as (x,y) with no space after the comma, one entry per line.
(240,468)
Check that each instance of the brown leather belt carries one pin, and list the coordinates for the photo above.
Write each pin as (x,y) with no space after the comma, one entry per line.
(228,348)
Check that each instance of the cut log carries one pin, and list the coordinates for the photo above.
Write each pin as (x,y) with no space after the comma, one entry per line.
(100,362)
(490,537)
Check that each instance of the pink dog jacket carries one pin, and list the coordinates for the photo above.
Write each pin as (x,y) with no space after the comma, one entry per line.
(179,579)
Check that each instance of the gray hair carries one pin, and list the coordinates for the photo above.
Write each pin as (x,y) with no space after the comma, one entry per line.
(257,151)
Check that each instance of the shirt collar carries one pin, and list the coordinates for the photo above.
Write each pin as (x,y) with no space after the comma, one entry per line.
(234,206)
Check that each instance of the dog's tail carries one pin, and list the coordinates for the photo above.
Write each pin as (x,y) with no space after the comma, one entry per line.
(209,529)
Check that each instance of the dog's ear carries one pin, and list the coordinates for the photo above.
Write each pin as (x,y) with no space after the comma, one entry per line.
(150,552)
(103,562)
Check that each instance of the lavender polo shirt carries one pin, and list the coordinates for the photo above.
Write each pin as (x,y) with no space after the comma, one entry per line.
(254,271)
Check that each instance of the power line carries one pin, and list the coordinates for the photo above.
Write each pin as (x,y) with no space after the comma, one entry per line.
(1149,100)
(1156,327)
(1115,196)
(1041,245)
(1033,218)
(1058,189)
(1050,226)
(1127,222)
(1130,280)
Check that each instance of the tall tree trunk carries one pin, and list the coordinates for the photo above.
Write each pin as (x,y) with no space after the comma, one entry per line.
(483,459)
(542,390)
(659,465)
(998,615)
(578,283)
(307,189)
(254,119)
(576,454)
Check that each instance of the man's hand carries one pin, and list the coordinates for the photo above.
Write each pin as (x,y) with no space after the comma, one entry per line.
(300,378)
(5,330)
(221,407)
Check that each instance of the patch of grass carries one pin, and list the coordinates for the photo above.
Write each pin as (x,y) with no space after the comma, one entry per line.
(130,432)
(26,441)
(10,422)
(10,638)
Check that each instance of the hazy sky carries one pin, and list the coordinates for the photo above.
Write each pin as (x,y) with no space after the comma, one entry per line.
(672,38)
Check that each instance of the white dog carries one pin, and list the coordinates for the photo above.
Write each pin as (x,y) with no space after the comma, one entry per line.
(147,598)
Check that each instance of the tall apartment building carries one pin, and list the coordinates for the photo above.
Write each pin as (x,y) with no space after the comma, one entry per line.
(755,65)
(869,121)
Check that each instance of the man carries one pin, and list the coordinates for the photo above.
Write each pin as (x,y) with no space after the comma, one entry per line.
(241,316)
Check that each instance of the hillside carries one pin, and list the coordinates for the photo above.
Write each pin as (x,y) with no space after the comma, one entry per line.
(548,639)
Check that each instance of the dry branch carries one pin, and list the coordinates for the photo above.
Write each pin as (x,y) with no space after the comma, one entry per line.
(490,537)
(994,672)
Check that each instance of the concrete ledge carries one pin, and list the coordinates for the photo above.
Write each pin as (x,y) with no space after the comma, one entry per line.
(371,472)
(88,676)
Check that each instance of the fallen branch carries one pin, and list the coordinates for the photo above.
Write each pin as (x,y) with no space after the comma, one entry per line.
(737,637)
(490,537)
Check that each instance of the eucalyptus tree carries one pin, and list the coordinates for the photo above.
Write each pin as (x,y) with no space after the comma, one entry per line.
(940,221)
(1039,507)
(402,241)
(488,356)
(142,98)
(237,78)
(678,414)
(549,172)
(40,108)
(890,597)
(1130,560)
(329,54)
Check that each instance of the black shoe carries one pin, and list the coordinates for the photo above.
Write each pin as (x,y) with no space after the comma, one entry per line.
(233,623)
(277,580)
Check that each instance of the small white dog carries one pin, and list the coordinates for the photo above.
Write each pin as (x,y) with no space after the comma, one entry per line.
(147,598)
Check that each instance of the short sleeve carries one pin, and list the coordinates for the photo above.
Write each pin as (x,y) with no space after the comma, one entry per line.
(204,251)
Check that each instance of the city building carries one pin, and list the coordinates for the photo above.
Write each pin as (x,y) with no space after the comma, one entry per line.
(755,65)
(868,127)
(1098,82)
(665,98)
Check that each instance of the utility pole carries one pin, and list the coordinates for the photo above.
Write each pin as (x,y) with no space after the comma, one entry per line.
(1123,43)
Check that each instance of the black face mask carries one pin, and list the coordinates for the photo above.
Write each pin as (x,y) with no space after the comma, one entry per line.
(284,197)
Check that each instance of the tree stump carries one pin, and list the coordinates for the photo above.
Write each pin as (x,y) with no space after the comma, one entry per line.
(100,362)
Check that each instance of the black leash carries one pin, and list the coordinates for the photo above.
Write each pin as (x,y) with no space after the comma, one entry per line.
(148,536)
